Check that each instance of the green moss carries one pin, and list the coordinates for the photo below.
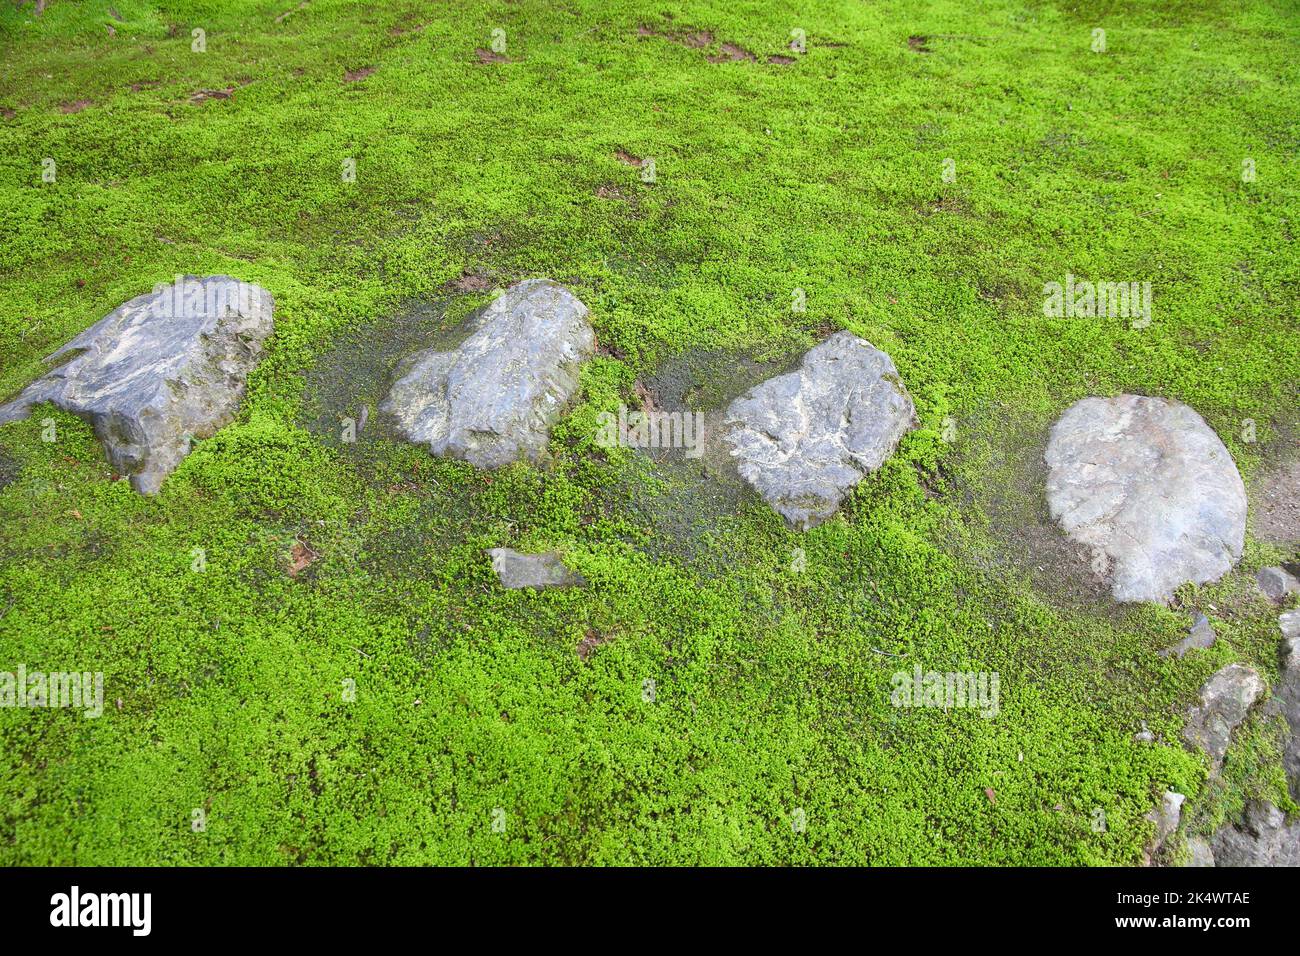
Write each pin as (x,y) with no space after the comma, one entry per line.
(225,686)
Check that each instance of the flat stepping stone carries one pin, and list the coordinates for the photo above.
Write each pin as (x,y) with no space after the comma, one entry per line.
(547,570)
(164,368)
(804,439)
(494,399)
(1147,484)
(1225,700)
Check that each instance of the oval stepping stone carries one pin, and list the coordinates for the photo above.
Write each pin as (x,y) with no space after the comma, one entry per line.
(494,399)
(1150,489)
(804,439)
(164,368)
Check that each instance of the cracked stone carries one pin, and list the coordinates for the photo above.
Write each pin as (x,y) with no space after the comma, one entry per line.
(159,371)
(495,399)
(804,439)
(1149,488)
(1225,699)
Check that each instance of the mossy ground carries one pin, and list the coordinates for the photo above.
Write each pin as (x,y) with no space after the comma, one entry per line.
(771,686)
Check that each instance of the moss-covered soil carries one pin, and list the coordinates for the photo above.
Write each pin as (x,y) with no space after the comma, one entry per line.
(720,691)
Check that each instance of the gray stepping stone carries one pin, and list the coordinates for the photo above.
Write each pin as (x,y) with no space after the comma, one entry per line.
(157,372)
(1150,489)
(804,439)
(494,399)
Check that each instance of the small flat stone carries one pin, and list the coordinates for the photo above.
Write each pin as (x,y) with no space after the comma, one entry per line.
(1277,583)
(159,371)
(1200,637)
(1149,488)
(804,439)
(1167,817)
(494,399)
(1225,699)
(545,570)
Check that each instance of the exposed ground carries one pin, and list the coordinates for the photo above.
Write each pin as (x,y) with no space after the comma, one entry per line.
(482,159)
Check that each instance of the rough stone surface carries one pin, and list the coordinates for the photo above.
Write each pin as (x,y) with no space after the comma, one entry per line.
(1290,624)
(1199,852)
(1167,816)
(1225,700)
(804,439)
(1150,489)
(546,570)
(158,371)
(1277,583)
(494,399)
(1199,637)
(1286,697)
(1262,838)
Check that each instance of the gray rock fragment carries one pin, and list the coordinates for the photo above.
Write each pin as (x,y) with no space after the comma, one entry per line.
(1262,838)
(1200,637)
(1225,699)
(494,399)
(546,570)
(804,439)
(1286,699)
(1167,816)
(1150,489)
(1199,852)
(1277,583)
(164,368)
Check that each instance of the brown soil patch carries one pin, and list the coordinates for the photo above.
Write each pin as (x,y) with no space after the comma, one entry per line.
(488,56)
(731,53)
(627,158)
(202,96)
(353,76)
(780,60)
(917,43)
(76,106)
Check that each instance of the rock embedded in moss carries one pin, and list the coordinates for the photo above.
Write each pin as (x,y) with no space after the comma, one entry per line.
(1277,583)
(1225,699)
(164,368)
(1148,486)
(494,399)
(1261,838)
(804,439)
(546,570)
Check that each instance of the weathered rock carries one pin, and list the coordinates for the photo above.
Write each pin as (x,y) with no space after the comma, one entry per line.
(1289,624)
(1167,817)
(495,398)
(1286,698)
(1150,489)
(804,439)
(1199,637)
(1262,838)
(546,570)
(1277,583)
(1199,852)
(158,371)
(1225,700)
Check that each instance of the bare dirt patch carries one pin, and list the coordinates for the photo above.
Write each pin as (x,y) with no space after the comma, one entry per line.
(780,60)
(731,53)
(916,43)
(470,282)
(353,76)
(489,56)
(7,113)
(1274,512)
(626,158)
(76,106)
(202,96)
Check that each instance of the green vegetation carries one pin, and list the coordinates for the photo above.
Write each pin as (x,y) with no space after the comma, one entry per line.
(771,686)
